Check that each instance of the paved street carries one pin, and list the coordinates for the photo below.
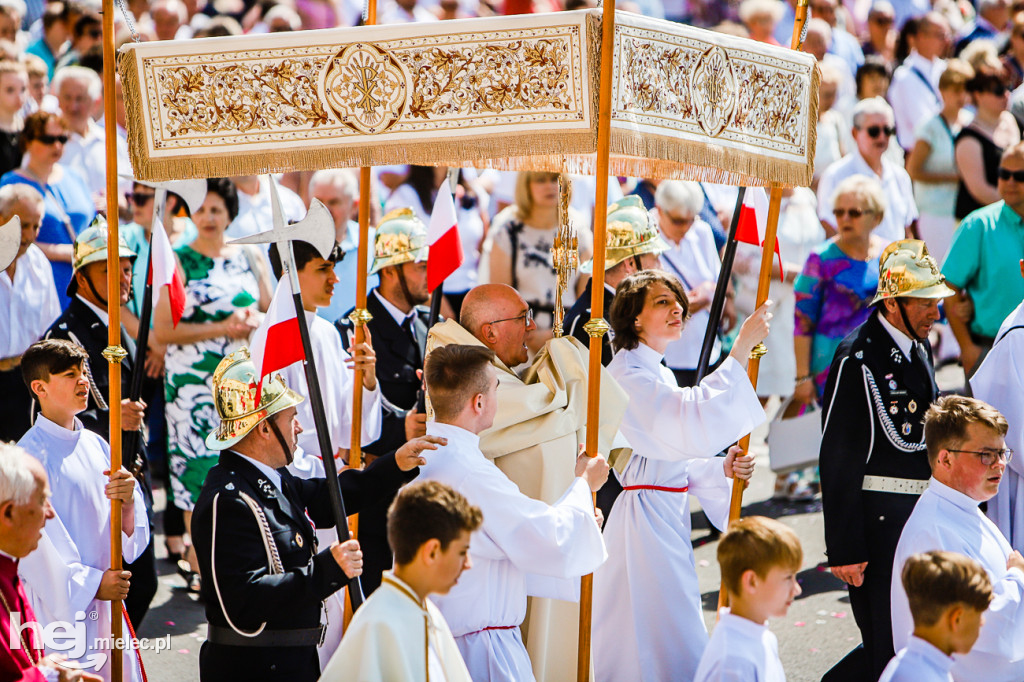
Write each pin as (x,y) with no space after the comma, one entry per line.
(818,631)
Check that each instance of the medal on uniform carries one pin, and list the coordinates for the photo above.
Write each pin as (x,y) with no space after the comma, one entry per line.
(906,428)
(912,406)
(893,409)
(298,539)
(892,384)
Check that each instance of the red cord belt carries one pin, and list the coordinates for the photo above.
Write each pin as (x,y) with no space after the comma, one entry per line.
(492,627)
(664,489)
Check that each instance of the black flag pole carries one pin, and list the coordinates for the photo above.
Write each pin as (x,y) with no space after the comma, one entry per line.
(718,302)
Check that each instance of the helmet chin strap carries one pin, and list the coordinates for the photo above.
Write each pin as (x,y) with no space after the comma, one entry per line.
(92,288)
(906,321)
(405,286)
(289,456)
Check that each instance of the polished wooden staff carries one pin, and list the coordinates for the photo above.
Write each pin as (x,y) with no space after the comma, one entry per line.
(763,282)
(597,327)
(114,353)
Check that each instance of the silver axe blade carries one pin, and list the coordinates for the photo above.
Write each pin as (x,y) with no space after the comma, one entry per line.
(316,229)
(10,241)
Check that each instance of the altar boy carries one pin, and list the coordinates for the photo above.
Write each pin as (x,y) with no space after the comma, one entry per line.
(948,593)
(525,547)
(760,558)
(399,634)
(77,462)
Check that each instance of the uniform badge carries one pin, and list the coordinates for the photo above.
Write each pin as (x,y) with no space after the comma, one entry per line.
(229,486)
(859,355)
(893,409)
(892,384)
(266,487)
(906,428)
(897,355)
(298,540)
(912,406)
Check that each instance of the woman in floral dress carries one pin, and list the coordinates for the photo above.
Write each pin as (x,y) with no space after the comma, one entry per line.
(226,288)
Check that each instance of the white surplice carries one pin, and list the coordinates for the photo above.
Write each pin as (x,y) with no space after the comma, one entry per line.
(919,661)
(75,461)
(648,623)
(946,519)
(395,636)
(335,379)
(525,547)
(740,650)
(999,381)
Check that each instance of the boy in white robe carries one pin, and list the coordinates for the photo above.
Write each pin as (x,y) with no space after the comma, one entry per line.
(947,593)
(398,634)
(77,462)
(968,456)
(335,372)
(525,547)
(759,558)
(999,381)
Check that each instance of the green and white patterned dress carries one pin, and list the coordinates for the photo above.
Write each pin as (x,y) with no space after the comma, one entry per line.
(215,288)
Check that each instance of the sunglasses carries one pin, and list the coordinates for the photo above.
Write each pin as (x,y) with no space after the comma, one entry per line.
(854,213)
(1006,174)
(52,139)
(883,20)
(140,199)
(875,131)
(997,89)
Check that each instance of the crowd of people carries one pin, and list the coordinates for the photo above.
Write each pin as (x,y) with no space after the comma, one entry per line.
(905,254)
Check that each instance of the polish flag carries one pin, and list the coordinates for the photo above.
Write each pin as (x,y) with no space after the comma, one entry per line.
(164,272)
(445,255)
(276,344)
(754,221)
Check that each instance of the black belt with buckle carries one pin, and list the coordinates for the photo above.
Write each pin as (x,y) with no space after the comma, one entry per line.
(219,634)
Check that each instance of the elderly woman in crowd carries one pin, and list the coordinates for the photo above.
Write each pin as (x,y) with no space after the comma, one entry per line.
(838,281)
(980,145)
(69,207)
(226,287)
(518,248)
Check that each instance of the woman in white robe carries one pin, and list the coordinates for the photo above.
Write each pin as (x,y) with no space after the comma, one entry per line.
(647,621)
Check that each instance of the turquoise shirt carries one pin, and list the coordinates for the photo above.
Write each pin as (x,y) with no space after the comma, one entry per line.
(135,236)
(984,260)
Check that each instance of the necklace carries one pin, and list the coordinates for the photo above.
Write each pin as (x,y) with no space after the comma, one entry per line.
(33,657)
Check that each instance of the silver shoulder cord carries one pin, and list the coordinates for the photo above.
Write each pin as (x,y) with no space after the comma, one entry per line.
(273,558)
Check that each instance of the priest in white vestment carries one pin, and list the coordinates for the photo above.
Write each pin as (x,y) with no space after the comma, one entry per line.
(540,423)
(648,623)
(525,546)
(999,381)
(968,455)
(335,372)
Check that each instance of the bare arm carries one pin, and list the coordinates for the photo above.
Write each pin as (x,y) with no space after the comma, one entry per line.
(501,266)
(56,253)
(971,166)
(915,166)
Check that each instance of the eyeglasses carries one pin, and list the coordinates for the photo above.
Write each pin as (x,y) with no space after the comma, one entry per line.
(882,19)
(527,316)
(52,139)
(1006,174)
(96,33)
(854,213)
(679,221)
(989,457)
(875,131)
(140,199)
(996,89)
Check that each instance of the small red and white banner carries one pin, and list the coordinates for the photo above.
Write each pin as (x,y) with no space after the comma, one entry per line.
(753,222)
(445,255)
(164,272)
(276,344)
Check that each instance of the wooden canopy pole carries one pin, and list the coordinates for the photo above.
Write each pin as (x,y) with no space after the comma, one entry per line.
(114,353)
(763,282)
(597,327)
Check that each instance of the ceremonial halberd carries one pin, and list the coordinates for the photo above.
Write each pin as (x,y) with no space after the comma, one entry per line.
(511,92)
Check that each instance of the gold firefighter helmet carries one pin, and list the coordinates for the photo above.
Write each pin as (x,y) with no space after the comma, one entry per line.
(91,247)
(631,231)
(401,238)
(235,388)
(906,269)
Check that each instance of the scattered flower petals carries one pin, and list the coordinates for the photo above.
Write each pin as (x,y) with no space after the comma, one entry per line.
(182,651)
(799,624)
(841,614)
(703,562)
(813,650)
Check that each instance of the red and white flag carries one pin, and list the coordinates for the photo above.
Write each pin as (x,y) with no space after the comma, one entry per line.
(445,254)
(276,343)
(164,272)
(754,221)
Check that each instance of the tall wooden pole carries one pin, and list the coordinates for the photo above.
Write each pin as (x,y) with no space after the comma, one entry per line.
(114,353)
(597,327)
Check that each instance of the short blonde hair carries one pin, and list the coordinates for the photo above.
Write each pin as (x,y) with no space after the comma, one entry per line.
(867,190)
(35,67)
(758,544)
(752,8)
(523,197)
(956,75)
(935,581)
(947,420)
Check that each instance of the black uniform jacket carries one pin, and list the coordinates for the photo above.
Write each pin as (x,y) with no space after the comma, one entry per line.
(873,425)
(238,584)
(579,315)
